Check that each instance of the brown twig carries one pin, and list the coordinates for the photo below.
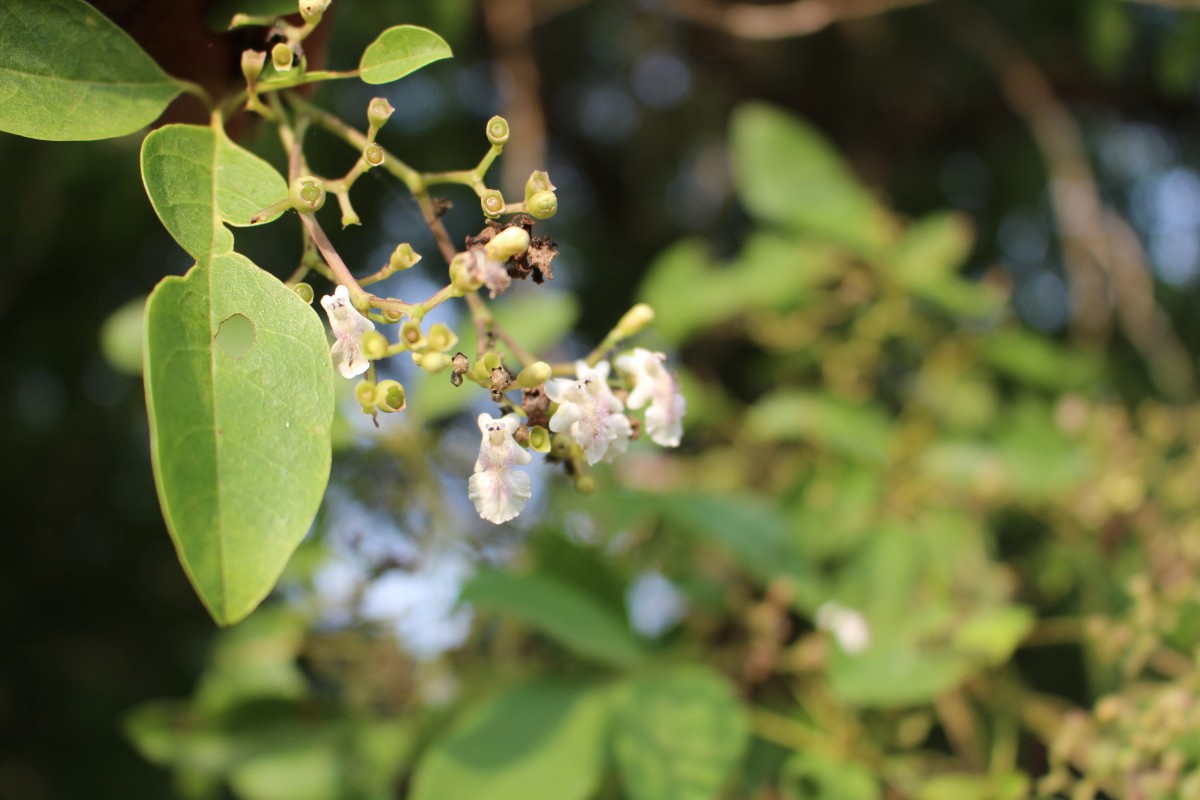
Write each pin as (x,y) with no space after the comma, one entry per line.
(510,24)
(784,21)
(1106,266)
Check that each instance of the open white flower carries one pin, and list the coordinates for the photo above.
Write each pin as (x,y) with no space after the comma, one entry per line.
(848,626)
(590,413)
(653,384)
(348,326)
(498,489)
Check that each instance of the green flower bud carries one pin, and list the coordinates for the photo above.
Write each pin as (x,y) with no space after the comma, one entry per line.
(307,194)
(281,57)
(492,361)
(542,205)
(374,345)
(312,10)
(535,374)
(434,362)
(373,155)
(539,439)
(378,112)
(635,320)
(304,292)
(391,315)
(460,278)
(253,62)
(492,203)
(410,334)
(480,372)
(364,393)
(507,243)
(390,396)
(585,483)
(497,130)
(539,181)
(403,257)
(441,338)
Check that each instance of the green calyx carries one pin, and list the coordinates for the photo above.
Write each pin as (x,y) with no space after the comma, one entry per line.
(497,130)
(307,194)
(542,205)
(390,396)
(492,203)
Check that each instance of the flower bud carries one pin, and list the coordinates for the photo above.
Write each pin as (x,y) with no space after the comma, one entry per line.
(480,372)
(492,360)
(364,393)
(390,396)
(307,194)
(539,439)
(391,316)
(253,62)
(434,362)
(635,320)
(461,364)
(281,57)
(497,130)
(373,155)
(461,278)
(535,374)
(374,345)
(378,112)
(441,338)
(585,483)
(304,292)
(403,257)
(492,203)
(410,334)
(542,205)
(539,181)
(507,243)
(311,11)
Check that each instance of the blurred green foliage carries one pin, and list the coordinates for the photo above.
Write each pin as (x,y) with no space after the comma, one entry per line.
(1013,514)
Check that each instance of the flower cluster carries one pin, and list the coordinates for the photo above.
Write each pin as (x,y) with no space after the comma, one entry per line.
(592,419)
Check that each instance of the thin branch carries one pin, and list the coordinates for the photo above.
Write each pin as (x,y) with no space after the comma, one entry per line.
(783,21)
(1106,266)
(509,24)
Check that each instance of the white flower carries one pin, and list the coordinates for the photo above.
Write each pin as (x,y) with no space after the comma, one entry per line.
(497,488)
(848,626)
(348,326)
(590,413)
(653,384)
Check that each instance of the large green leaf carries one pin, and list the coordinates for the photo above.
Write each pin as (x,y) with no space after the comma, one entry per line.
(540,741)
(788,174)
(68,73)
(679,735)
(239,391)
(399,51)
(861,431)
(570,617)
(197,180)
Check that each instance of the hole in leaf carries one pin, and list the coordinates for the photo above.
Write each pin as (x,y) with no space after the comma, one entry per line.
(236,335)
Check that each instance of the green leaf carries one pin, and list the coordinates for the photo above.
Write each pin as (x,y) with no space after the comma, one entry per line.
(539,741)
(573,619)
(1031,358)
(772,273)
(679,735)
(399,51)
(818,776)
(239,443)
(302,773)
(197,179)
(67,74)
(788,174)
(862,431)
(220,12)
(932,249)
(121,337)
